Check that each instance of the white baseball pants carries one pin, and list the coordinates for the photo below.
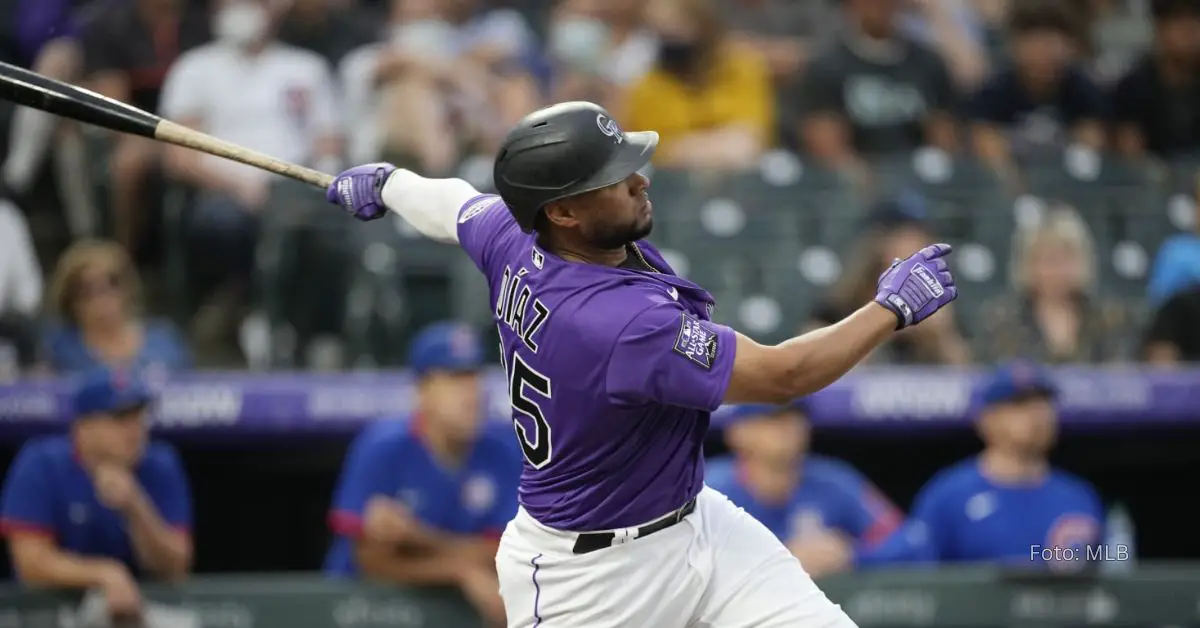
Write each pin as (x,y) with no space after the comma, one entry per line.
(718,568)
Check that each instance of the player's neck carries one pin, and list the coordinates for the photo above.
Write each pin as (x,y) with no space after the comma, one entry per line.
(582,253)
(1009,468)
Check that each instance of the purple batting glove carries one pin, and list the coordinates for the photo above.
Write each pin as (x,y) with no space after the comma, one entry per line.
(914,288)
(359,190)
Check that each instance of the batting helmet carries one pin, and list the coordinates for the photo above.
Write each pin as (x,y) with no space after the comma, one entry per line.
(563,150)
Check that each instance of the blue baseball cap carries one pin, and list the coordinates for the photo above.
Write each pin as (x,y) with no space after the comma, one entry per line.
(109,391)
(445,346)
(1017,380)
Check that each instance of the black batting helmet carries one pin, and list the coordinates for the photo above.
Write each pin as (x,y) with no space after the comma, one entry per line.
(563,150)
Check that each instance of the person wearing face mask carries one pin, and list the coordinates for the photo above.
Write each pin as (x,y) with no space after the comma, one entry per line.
(247,88)
(448,78)
(599,49)
(1045,99)
(1007,504)
(712,102)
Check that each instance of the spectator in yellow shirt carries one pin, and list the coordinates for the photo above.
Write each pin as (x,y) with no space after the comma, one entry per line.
(711,101)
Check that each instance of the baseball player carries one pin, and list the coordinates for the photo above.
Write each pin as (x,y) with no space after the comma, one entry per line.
(614,365)
(819,506)
(1007,504)
(101,506)
(422,501)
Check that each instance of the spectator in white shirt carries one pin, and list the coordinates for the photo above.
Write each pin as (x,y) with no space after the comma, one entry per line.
(20,291)
(247,88)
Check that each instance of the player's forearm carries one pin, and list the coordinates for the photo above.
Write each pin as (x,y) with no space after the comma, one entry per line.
(815,360)
(430,205)
(159,549)
(53,568)
(471,547)
(383,563)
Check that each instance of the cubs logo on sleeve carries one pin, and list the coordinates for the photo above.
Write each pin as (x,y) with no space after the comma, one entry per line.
(696,341)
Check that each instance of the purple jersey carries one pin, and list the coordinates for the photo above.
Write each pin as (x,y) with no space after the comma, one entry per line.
(612,373)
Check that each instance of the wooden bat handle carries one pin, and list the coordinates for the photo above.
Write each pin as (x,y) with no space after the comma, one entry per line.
(180,135)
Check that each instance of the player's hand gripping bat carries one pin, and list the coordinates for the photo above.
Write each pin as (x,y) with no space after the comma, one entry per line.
(34,90)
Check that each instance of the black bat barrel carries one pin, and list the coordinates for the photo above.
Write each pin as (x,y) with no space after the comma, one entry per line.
(31,89)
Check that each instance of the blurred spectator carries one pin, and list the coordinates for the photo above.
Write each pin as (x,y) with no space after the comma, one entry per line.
(100,507)
(1117,33)
(326,29)
(448,82)
(423,502)
(712,102)
(955,29)
(127,49)
(96,293)
(1007,503)
(1045,99)
(599,49)
(1157,105)
(1053,314)
(1177,264)
(784,32)
(874,92)
(246,88)
(896,229)
(801,497)
(47,41)
(1173,336)
(20,292)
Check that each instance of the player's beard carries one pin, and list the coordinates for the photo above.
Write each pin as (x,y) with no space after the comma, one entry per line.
(608,237)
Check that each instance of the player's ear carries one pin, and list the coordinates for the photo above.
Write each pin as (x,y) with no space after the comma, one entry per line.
(562,213)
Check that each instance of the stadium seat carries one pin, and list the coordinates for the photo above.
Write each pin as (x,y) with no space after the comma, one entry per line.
(399,282)
(302,266)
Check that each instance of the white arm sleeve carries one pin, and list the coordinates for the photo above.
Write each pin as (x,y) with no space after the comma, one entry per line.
(431,206)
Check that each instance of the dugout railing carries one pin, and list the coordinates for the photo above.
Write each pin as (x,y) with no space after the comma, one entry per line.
(1150,596)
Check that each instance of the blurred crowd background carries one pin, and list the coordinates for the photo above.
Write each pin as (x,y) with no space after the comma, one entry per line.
(804,145)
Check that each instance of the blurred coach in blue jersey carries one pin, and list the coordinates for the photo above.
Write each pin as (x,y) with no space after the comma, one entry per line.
(423,500)
(1006,504)
(103,505)
(819,506)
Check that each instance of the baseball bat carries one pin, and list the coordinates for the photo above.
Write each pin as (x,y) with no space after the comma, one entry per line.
(31,89)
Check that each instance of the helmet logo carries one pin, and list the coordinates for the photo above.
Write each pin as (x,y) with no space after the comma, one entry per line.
(609,127)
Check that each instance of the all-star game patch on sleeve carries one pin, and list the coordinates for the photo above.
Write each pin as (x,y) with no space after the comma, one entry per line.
(482,222)
(667,355)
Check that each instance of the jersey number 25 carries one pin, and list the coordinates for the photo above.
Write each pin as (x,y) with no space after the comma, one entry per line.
(525,385)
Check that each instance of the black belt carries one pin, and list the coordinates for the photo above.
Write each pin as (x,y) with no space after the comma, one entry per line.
(595,541)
